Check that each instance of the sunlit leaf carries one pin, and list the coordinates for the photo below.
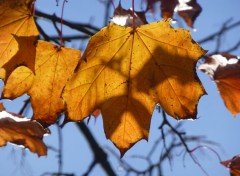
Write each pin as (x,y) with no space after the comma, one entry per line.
(16,20)
(53,67)
(128,71)
(19,82)
(25,55)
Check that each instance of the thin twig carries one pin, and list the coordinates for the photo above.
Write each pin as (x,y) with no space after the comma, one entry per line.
(61,24)
(81,27)
(24,107)
(213,35)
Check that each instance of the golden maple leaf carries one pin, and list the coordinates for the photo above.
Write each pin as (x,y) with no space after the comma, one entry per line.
(128,71)
(16,20)
(18,83)
(53,67)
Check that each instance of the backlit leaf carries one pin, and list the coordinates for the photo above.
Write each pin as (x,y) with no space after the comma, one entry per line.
(16,20)
(53,67)
(19,82)
(224,69)
(25,55)
(21,131)
(128,71)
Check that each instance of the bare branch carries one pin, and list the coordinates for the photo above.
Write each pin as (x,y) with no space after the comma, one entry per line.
(220,32)
(100,156)
(81,27)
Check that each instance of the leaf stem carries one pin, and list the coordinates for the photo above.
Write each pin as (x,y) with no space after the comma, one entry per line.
(33,8)
(61,28)
(113,4)
(133,15)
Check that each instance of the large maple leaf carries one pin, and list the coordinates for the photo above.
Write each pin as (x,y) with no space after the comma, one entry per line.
(128,71)
(16,20)
(53,67)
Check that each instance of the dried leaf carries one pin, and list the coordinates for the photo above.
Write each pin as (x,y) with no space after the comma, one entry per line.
(224,69)
(167,8)
(124,17)
(22,131)
(54,66)
(16,20)
(233,165)
(187,9)
(128,71)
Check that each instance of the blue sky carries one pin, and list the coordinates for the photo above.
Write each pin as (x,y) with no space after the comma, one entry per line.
(215,121)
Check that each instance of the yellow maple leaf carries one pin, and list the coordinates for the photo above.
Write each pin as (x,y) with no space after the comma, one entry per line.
(53,67)
(128,71)
(16,20)
(25,55)
(18,83)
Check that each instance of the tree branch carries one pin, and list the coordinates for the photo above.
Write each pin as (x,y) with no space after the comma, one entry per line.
(81,27)
(99,155)
(220,32)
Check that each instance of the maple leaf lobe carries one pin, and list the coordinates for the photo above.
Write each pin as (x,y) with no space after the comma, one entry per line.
(18,83)
(53,67)
(15,20)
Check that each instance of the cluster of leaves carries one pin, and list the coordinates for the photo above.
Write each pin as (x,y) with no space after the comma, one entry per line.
(125,71)
(32,66)
(188,10)
(109,76)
